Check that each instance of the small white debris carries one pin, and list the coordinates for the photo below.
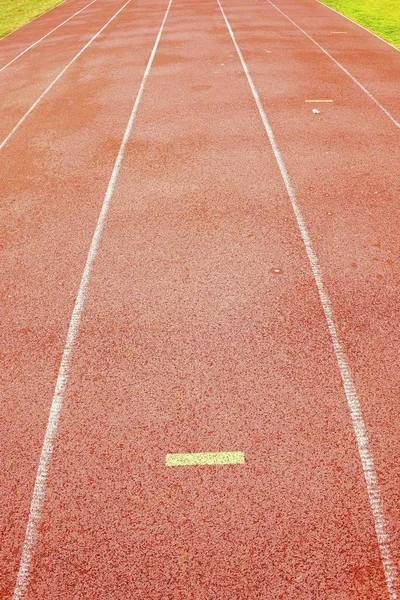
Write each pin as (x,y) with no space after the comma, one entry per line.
(315,111)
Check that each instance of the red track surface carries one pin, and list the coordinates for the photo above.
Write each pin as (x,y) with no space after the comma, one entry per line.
(189,340)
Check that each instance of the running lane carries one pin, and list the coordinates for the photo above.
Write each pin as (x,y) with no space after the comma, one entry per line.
(28,77)
(54,174)
(203,331)
(373,62)
(14,57)
(343,163)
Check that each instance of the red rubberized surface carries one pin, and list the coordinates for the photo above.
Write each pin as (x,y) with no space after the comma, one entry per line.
(191,340)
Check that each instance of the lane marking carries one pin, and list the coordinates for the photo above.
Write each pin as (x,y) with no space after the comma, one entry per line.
(45,36)
(359,25)
(39,489)
(318,100)
(34,105)
(339,32)
(353,402)
(31,21)
(204,458)
(338,64)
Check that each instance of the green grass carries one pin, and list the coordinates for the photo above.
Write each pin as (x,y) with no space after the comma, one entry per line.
(14,13)
(380,16)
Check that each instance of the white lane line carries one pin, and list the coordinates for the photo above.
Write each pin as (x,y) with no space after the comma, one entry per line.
(362,26)
(39,489)
(337,63)
(45,36)
(31,21)
(367,462)
(34,105)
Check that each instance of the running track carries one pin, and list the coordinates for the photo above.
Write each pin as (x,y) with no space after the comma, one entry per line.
(230,260)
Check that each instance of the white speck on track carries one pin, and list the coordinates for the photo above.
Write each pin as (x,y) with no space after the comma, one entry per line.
(45,36)
(52,84)
(338,64)
(360,431)
(63,373)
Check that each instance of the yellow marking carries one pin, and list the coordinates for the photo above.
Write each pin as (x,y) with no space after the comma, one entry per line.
(204,458)
(338,31)
(319,101)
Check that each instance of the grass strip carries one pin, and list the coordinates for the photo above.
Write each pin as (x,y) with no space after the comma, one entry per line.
(15,13)
(380,16)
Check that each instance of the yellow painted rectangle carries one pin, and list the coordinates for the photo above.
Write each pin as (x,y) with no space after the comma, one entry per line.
(319,100)
(204,458)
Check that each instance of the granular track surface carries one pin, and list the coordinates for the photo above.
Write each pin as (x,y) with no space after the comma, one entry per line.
(203,322)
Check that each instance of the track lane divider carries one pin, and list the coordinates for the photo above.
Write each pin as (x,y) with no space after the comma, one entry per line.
(39,489)
(32,20)
(52,84)
(338,64)
(45,36)
(353,402)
